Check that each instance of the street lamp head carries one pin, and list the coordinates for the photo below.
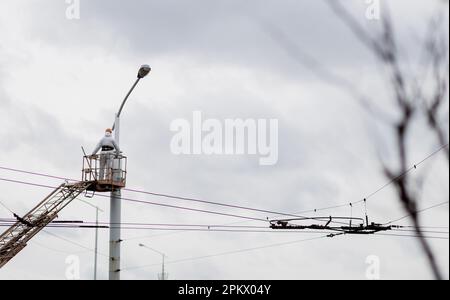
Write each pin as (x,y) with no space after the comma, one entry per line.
(143,71)
(141,245)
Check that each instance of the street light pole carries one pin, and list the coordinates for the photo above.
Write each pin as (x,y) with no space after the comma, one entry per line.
(96,243)
(163,276)
(115,198)
(115,218)
(97,209)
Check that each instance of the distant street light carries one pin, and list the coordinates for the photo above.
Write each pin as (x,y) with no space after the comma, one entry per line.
(97,209)
(163,275)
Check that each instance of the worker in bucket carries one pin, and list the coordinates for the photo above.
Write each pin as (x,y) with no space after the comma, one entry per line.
(110,149)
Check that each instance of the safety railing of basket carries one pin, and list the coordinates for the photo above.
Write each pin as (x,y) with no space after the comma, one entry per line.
(106,168)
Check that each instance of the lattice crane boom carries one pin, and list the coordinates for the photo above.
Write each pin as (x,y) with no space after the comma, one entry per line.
(16,237)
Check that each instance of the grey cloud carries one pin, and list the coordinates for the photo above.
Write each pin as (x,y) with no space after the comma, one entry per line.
(39,134)
(326,155)
(225,32)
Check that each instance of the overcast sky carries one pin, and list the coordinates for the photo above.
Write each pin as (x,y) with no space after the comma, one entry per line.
(61,81)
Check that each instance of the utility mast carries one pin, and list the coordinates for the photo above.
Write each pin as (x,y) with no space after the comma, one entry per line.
(163,275)
(116,195)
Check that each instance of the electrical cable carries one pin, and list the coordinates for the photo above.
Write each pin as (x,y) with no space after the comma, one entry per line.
(243,207)
(227,253)
(417,212)
(411,236)
(73,243)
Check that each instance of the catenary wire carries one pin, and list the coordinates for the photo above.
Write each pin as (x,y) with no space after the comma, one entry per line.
(249,208)
(228,253)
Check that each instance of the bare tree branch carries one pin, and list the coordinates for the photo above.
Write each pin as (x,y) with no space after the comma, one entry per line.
(405,93)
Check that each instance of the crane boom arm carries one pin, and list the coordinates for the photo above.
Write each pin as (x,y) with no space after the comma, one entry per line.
(13,240)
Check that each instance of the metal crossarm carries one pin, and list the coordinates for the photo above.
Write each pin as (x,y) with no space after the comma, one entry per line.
(13,240)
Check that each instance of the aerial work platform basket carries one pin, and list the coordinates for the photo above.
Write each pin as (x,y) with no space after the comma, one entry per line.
(107,172)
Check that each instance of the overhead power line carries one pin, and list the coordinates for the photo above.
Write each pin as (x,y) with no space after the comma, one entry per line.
(169,227)
(210,202)
(415,166)
(161,195)
(57,250)
(417,212)
(6,207)
(427,227)
(232,252)
(259,248)
(175,197)
(227,253)
(373,228)
(150,224)
(188,227)
(423,231)
(143,202)
(155,203)
(182,229)
(72,242)
(412,236)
